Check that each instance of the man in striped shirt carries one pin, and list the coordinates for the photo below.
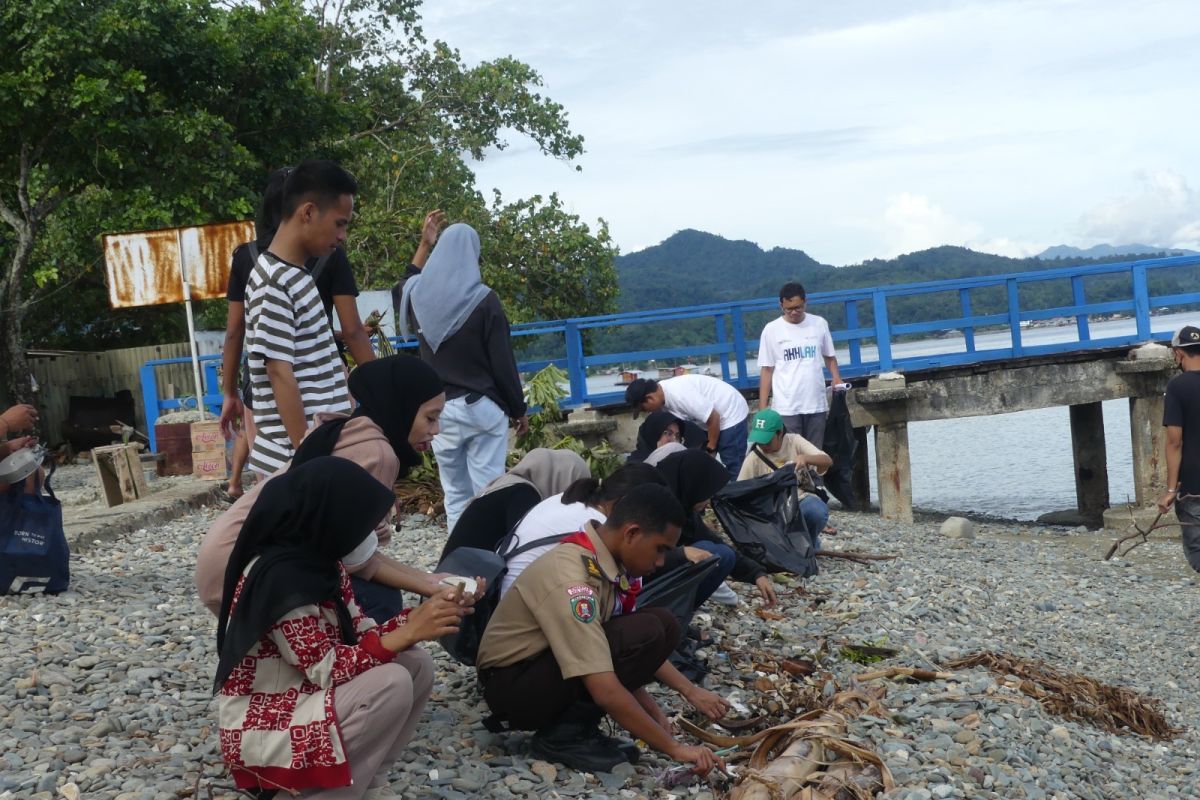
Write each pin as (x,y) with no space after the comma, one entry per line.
(295,371)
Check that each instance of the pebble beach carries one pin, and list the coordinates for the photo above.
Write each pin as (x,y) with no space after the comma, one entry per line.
(106,689)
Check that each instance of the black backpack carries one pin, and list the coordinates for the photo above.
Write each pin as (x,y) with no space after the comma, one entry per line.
(463,646)
(762,517)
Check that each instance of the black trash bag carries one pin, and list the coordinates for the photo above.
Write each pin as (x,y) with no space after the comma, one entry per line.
(762,517)
(841,445)
(675,590)
(472,562)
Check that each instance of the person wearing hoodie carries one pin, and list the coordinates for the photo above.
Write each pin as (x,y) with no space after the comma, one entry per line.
(399,400)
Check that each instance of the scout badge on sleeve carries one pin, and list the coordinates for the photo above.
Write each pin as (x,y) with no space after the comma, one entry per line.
(583,607)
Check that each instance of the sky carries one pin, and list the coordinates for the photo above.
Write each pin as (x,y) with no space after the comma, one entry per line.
(854,129)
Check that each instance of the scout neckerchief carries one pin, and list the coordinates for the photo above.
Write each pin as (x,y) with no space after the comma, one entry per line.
(626,590)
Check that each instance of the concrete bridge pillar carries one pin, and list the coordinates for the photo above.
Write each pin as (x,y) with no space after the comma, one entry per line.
(894,471)
(1091,461)
(1149,448)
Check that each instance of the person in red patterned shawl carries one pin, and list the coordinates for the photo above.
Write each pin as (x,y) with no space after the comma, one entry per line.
(313,695)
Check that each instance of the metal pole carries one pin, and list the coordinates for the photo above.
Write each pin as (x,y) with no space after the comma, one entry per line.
(191,322)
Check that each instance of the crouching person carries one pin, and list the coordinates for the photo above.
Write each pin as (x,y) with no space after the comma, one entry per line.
(313,695)
(566,645)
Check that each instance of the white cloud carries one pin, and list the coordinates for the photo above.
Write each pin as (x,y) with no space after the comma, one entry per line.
(1162,210)
(914,222)
(859,129)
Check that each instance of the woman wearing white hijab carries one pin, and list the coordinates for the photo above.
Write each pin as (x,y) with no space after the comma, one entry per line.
(464,336)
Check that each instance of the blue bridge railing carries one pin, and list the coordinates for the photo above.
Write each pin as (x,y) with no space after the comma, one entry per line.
(906,327)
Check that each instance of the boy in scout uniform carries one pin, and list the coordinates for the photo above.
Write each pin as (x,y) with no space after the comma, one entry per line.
(566,645)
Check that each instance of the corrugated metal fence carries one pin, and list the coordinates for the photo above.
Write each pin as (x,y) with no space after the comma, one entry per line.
(61,376)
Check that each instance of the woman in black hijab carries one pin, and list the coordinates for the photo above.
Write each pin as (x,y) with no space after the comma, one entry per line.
(694,477)
(291,632)
(400,400)
(662,427)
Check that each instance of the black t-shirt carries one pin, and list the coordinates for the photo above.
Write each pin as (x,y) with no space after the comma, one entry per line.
(335,278)
(1182,409)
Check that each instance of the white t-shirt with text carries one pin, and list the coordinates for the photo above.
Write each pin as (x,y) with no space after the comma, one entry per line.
(695,397)
(797,352)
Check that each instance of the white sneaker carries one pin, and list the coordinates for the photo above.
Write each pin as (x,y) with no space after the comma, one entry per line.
(724,595)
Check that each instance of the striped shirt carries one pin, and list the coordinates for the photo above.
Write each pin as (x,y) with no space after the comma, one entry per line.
(285,321)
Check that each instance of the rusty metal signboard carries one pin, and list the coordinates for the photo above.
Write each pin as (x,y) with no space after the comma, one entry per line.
(149,268)
(174,265)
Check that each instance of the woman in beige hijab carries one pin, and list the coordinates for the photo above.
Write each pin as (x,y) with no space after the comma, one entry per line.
(496,510)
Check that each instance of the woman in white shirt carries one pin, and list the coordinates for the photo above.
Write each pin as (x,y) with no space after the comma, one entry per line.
(563,514)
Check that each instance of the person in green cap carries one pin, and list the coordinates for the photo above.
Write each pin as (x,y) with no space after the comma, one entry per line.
(771,446)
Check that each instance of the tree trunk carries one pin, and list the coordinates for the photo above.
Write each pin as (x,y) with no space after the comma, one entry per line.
(15,377)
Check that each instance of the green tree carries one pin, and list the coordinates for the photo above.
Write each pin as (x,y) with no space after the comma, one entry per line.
(134,114)
(163,108)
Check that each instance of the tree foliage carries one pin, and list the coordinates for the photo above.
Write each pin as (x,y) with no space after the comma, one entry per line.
(133,114)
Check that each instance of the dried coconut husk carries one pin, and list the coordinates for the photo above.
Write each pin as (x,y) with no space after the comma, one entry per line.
(1077,697)
(810,756)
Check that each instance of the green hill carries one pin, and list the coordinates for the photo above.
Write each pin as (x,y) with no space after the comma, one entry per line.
(692,267)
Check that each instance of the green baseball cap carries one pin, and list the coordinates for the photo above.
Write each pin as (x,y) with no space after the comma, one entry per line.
(765,425)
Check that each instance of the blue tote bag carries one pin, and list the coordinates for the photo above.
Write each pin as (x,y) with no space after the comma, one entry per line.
(34,556)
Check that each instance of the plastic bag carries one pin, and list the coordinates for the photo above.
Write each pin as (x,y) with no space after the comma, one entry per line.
(762,517)
(34,556)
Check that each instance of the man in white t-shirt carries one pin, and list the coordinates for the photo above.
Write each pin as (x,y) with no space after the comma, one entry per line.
(710,403)
(793,353)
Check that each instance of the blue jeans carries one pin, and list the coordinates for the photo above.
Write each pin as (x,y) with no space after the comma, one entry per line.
(728,558)
(470,451)
(816,516)
(731,446)
(377,601)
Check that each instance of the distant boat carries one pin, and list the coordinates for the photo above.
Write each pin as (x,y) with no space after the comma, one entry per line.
(628,376)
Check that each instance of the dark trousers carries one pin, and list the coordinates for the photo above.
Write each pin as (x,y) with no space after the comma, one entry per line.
(731,446)
(377,601)
(532,694)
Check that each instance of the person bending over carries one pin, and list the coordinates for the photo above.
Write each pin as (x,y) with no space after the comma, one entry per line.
(694,479)
(586,500)
(567,645)
(708,402)
(495,511)
(312,695)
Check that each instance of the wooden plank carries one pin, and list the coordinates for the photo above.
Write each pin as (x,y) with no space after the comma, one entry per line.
(120,472)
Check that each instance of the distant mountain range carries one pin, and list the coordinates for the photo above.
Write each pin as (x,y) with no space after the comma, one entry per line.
(1109,250)
(693,267)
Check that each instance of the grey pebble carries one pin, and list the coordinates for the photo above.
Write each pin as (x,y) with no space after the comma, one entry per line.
(116,699)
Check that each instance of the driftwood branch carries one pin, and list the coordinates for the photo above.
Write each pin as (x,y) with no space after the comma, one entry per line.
(906,672)
(1142,536)
(858,558)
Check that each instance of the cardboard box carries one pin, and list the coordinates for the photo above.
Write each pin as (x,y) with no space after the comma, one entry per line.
(210,465)
(207,436)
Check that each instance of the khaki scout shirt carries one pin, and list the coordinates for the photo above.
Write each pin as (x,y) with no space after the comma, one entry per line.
(560,601)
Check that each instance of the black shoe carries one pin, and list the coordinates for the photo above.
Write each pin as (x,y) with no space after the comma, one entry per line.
(578,746)
(629,749)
